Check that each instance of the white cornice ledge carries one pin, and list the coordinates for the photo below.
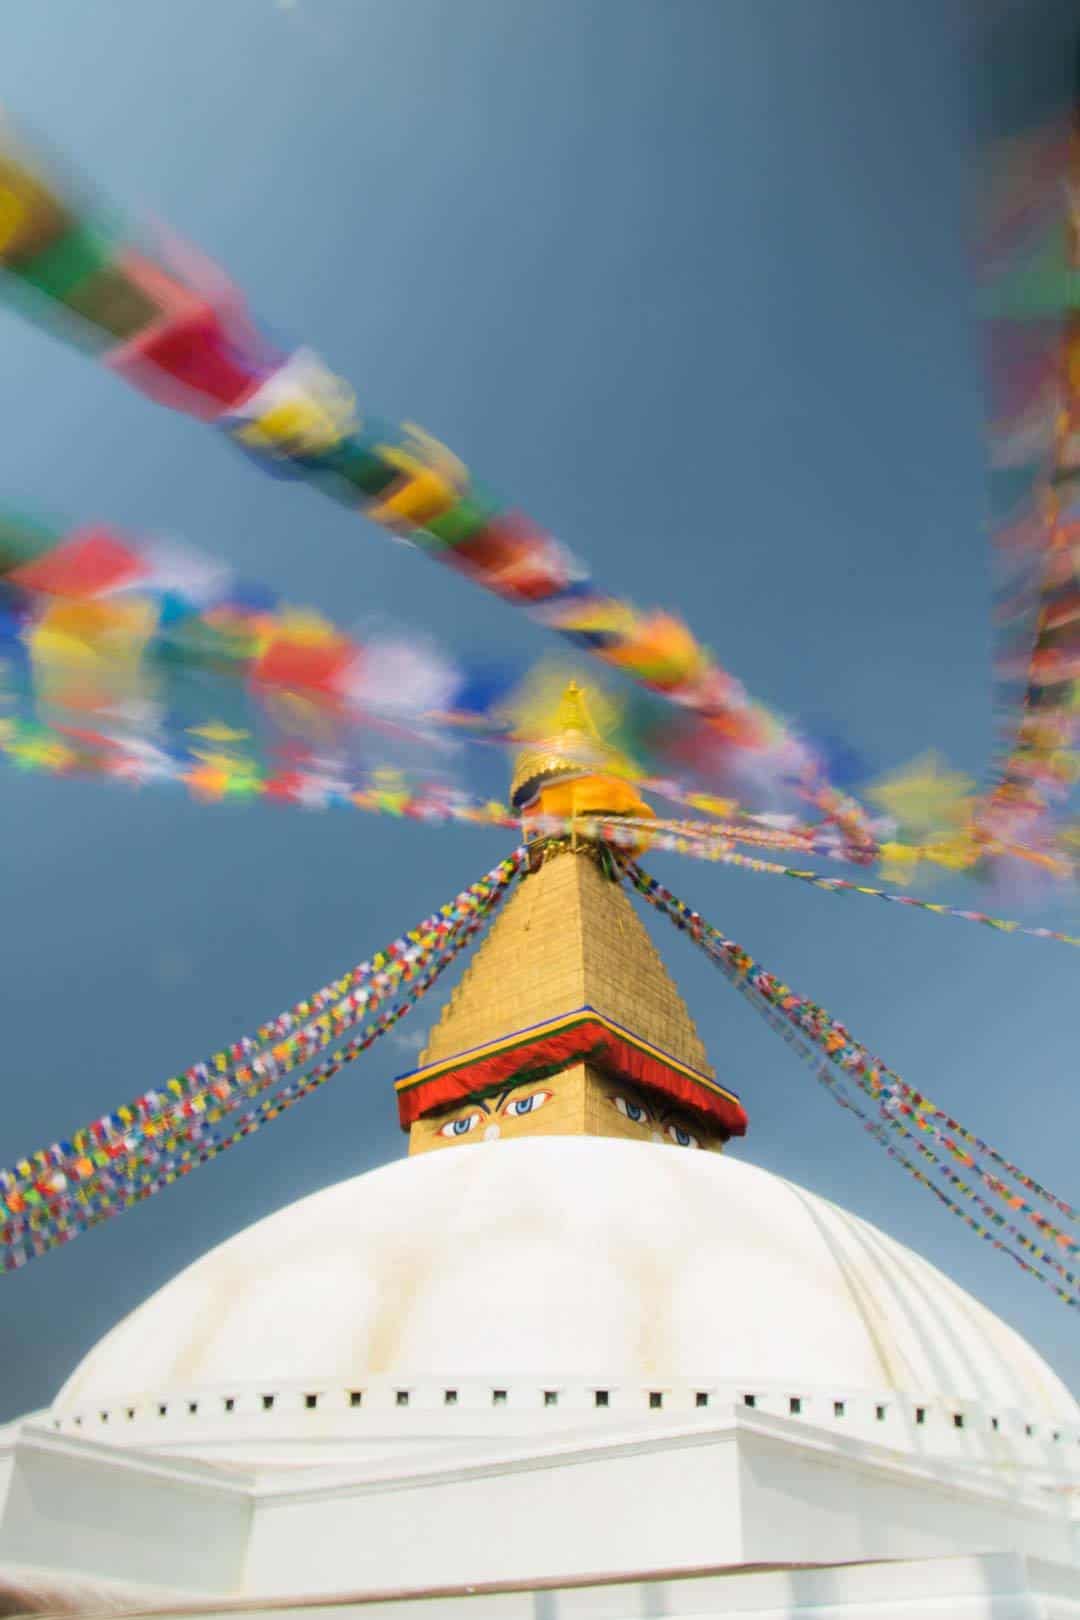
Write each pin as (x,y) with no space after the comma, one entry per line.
(794,1435)
(186,1471)
(255,1482)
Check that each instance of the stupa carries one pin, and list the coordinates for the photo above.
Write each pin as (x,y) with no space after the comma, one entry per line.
(571,1351)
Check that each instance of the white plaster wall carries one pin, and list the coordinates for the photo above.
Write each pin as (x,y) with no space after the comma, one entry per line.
(639,1506)
(682,1500)
(755,1489)
(89,1515)
(804,1505)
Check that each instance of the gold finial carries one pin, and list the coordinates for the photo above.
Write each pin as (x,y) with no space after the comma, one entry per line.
(573,713)
(574,772)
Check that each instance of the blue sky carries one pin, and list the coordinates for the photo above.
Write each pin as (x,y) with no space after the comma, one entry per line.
(689,279)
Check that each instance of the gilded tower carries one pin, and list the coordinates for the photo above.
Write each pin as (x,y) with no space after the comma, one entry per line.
(567,1022)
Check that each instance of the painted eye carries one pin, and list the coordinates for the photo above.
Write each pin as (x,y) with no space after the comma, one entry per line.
(526,1105)
(462,1126)
(632,1110)
(683,1137)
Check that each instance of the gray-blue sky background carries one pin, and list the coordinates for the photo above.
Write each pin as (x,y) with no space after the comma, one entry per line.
(688,278)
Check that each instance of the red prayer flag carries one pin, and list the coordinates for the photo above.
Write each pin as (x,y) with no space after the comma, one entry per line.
(91,562)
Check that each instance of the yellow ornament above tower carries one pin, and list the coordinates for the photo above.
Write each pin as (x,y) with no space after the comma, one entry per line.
(574,772)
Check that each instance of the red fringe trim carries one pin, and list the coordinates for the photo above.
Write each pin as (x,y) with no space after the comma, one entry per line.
(587,1037)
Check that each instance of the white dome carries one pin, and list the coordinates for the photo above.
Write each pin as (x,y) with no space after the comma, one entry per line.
(551,1260)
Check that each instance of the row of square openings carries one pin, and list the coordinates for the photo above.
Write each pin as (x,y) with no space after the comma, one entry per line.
(601,1398)
(795,1406)
(355,1397)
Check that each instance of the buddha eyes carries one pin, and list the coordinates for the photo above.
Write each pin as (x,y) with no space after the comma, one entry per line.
(632,1110)
(682,1137)
(462,1126)
(638,1114)
(517,1106)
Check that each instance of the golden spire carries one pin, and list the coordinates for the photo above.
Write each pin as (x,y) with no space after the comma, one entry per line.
(573,713)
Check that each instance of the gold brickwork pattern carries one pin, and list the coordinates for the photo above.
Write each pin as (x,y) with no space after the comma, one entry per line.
(567,938)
